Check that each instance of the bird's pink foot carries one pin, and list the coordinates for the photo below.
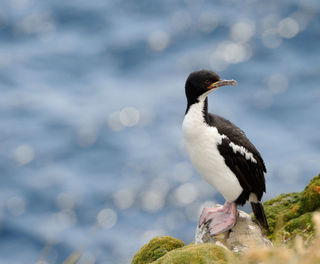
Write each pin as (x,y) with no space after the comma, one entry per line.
(221,219)
(222,223)
(208,213)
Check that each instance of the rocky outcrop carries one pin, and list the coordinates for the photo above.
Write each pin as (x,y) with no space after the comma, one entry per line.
(241,237)
(289,216)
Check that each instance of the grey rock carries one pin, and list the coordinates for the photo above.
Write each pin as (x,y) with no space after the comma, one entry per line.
(244,235)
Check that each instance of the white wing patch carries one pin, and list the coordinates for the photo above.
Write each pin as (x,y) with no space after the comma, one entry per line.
(243,151)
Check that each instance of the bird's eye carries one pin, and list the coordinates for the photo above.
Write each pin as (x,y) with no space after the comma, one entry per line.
(207,82)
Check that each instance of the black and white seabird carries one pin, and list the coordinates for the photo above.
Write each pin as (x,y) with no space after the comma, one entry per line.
(222,154)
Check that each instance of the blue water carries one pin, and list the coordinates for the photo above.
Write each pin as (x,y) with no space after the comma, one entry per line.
(92,100)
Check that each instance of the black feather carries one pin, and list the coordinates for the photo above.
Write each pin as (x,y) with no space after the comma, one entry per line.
(260,215)
(249,173)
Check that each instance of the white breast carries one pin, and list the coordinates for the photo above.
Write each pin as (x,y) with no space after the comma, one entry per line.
(201,143)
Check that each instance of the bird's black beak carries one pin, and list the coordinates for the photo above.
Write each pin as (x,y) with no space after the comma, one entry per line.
(218,84)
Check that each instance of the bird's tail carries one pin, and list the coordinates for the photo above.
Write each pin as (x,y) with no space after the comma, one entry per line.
(260,215)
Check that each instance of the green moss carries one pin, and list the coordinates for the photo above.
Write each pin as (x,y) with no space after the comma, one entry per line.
(289,215)
(156,248)
(201,254)
(311,195)
(301,226)
(281,209)
(288,210)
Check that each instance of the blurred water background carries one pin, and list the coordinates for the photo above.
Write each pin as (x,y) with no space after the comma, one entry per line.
(91,106)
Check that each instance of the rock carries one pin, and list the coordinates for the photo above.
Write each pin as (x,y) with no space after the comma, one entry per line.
(290,215)
(244,234)
(156,248)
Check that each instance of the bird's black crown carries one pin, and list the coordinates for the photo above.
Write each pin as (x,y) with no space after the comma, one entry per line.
(197,84)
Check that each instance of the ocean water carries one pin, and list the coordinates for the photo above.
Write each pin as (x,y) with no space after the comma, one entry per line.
(91,106)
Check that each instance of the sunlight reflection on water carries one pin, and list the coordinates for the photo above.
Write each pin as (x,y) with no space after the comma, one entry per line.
(92,102)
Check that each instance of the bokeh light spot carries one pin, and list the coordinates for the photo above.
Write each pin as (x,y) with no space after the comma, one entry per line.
(242,31)
(107,218)
(186,193)
(23,154)
(124,198)
(87,135)
(152,201)
(288,27)
(158,40)
(277,83)
(129,116)
(114,121)
(234,52)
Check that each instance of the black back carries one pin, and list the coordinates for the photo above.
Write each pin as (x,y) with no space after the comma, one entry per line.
(249,174)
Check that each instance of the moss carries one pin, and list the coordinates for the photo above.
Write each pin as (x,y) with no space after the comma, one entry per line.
(281,209)
(289,215)
(288,210)
(201,254)
(156,248)
(301,226)
(311,195)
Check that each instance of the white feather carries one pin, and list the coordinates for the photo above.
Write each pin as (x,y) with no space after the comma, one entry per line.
(201,142)
(253,198)
(243,151)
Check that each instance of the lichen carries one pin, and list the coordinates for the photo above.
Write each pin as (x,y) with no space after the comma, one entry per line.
(156,248)
(203,254)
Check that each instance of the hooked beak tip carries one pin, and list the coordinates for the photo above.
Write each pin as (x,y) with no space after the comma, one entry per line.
(222,83)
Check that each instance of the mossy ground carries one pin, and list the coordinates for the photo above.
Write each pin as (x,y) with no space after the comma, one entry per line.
(301,226)
(156,248)
(202,254)
(289,215)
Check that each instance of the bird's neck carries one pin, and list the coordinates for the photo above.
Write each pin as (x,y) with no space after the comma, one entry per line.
(198,108)
(195,120)
(205,108)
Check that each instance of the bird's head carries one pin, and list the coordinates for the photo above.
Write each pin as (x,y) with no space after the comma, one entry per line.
(200,83)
